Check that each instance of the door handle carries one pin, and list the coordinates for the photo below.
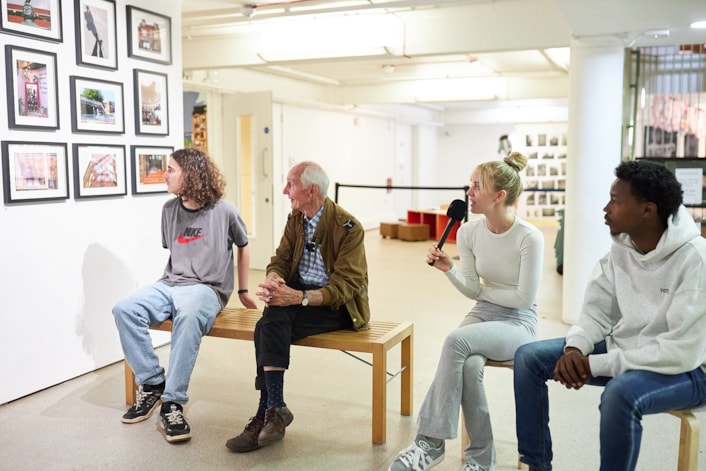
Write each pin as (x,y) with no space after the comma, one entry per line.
(263,158)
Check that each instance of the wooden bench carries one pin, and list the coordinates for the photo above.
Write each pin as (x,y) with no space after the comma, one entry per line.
(239,323)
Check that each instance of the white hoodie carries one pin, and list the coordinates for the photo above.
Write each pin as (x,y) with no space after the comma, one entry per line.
(649,308)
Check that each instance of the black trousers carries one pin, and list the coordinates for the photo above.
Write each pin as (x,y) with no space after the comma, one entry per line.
(280,325)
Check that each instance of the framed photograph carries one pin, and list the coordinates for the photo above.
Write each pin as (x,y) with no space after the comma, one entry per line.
(34,171)
(97,106)
(35,18)
(149,164)
(99,170)
(149,35)
(31,84)
(96,39)
(151,103)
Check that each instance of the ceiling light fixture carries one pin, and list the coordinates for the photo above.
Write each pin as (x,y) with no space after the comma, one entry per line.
(698,24)
(303,75)
(285,56)
(248,10)
(657,33)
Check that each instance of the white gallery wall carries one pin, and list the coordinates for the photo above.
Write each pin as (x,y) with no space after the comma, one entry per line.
(64,263)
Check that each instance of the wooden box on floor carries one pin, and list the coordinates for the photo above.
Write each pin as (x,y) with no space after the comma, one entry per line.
(389,229)
(413,232)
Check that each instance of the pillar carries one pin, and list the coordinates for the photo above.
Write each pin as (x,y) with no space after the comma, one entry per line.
(593,148)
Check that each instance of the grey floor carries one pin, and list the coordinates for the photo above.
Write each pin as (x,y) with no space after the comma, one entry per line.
(76,425)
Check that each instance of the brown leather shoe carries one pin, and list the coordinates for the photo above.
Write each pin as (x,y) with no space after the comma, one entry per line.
(247,441)
(276,420)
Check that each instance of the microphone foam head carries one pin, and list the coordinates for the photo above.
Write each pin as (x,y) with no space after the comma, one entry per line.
(457,210)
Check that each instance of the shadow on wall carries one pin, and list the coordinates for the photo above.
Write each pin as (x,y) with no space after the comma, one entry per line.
(104,276)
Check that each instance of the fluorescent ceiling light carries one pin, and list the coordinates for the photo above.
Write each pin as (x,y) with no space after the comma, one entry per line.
(284,56)
(303,75)
(339,5)
(698,24)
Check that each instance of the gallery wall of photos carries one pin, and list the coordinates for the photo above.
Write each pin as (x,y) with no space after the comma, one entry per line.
(118,138)
(544,178)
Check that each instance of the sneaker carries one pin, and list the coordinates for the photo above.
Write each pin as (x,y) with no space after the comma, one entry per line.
(147,398)
(247,441)
(176,428)
(419,456)
(470,467)
(276,420)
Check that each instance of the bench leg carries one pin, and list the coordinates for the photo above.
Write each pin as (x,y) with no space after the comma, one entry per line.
(379,395)
(688,441)
(407,376)
(130,386)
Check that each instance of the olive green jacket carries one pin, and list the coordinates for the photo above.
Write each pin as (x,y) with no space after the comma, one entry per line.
(340,237)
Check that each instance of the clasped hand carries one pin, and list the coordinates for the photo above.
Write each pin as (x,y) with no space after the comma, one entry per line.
(275,292)
(572,369)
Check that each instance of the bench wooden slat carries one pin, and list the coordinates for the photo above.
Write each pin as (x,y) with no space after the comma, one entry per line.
(239,324)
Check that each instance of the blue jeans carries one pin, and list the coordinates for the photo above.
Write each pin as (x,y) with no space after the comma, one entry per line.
(192,309)
(625,399)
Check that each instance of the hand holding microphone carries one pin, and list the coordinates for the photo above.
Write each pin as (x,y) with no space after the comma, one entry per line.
(456,212)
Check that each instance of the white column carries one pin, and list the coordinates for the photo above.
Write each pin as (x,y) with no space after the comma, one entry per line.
(594,134)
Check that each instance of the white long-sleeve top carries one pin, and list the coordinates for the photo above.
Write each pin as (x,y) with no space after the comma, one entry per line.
(649,308)
(504,269)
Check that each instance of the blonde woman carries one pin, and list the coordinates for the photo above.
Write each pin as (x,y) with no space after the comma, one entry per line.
(500,268)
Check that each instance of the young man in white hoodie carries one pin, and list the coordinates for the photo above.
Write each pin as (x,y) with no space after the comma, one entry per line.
(642,328)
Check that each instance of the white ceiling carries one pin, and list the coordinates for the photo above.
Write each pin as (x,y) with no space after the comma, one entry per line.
(443,40)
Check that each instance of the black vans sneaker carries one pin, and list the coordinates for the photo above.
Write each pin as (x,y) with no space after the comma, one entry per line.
(147,399)
(176,428)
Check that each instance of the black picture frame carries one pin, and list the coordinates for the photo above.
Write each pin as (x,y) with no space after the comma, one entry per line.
(34,171)
(31,83)
(99,170)
(149,35)
(97,106)
(96,37)
(151,103)
(32,21)
(149,164)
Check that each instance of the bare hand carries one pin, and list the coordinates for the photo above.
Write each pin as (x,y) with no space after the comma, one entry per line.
(573,369)
(247,301)
(438,259)
(275,292)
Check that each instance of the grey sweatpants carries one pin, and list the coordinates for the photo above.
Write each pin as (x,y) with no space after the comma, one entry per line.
(491,332)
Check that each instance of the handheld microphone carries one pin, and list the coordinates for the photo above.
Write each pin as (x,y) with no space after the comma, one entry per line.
(456,212)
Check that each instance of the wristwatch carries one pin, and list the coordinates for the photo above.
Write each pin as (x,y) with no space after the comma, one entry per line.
(305,299)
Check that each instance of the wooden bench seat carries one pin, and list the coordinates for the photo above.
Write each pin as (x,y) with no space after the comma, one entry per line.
(239,323)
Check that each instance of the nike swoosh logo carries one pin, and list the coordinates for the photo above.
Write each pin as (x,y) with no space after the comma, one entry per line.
(186,240)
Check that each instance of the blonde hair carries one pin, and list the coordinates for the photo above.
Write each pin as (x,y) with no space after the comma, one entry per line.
(503,174)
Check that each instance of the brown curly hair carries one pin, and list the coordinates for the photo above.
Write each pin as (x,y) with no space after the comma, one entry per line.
(203,181)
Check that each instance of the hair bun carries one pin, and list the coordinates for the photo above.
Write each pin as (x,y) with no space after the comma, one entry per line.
(516,160)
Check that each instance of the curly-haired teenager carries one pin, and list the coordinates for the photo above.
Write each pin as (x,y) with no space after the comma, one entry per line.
(641,332)
(199,229)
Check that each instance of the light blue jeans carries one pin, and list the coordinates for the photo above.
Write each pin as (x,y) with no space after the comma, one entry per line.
(192,309)
(458,383)
(625,399)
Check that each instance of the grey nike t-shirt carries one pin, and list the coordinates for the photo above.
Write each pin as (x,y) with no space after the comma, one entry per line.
(200,243)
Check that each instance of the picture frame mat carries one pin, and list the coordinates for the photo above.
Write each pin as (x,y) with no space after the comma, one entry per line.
(92,170)
(96,44)
(37,162)
(90,115)
(46,25)
(144,180)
